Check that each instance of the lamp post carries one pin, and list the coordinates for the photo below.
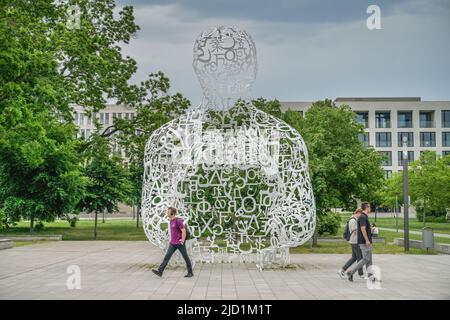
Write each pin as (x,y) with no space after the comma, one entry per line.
(396,211)
(405,193)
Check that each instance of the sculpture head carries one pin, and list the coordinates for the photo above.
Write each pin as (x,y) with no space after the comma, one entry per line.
(225,64)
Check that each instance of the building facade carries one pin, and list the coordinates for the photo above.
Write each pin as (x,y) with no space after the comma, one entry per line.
(106,117)
(425,124)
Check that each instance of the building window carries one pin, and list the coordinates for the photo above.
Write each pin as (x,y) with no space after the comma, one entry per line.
(81,119)
(404,119)
(89,121)
(383,139)
(386,158)
(104,118)
(409,136)
(382,119)
(75,117)
(445,118)
(364,138)
(387,174)
(428,139)
(410,157)
(446,139)
(446,153)
(116,116)
(362,118)
(426,119)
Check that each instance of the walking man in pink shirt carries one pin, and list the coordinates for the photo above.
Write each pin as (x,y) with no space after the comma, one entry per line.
(177,241)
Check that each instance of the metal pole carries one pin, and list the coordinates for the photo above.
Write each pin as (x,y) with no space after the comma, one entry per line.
(396,212)
(376,210)
(405,194)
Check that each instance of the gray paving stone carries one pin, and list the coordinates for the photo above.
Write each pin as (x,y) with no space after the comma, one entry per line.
(120,270)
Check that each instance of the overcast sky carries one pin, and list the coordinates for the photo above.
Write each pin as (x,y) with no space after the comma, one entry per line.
(306,49)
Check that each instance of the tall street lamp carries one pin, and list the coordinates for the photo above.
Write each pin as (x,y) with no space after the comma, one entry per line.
(396,211)
(405,194)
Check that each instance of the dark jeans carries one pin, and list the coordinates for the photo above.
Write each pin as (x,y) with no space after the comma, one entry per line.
(170,251)
(356,257)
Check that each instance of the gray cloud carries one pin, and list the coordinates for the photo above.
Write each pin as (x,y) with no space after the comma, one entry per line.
(304,11)
(309,57)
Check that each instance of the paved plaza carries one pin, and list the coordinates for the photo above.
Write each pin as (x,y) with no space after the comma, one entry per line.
(121,270)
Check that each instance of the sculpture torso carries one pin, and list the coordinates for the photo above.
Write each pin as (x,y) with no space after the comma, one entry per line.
(237,175)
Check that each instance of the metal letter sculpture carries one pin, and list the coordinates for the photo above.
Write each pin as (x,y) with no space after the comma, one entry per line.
(238,176)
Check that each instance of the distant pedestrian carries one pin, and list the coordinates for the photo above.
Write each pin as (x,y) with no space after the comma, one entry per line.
(177,242)
(364,242)
(374,230)
(353,240)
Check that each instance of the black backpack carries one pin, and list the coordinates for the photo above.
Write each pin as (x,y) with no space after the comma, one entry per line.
(188,231)
(346,235)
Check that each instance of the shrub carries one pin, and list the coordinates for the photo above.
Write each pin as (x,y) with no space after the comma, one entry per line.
(2,219)
(72,219)
(39,226)
(432,215)
(328,223)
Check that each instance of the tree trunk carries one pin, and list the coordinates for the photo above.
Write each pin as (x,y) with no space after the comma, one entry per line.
(424,214)
(315,236)
(32,224)
(137,216)
(95,225)
(103,216)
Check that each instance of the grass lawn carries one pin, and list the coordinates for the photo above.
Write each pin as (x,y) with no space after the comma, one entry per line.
(125,229)
(113,229)
(378,248)
(414,224)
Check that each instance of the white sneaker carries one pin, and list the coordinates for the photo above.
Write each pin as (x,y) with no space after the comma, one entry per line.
(364,277)
(341,273)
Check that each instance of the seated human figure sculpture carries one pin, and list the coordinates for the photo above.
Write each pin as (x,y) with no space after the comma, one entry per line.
(236,174)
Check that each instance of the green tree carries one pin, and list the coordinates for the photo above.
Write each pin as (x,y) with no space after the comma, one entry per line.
(342,169)
(45,67)
(153,106)
(390,193)
(108,179)
(40,176)
(430,184)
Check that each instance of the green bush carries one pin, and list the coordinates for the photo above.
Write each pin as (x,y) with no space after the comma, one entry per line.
(2,219)
(72,219)
(328,223)
(432,215)
(39,226)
